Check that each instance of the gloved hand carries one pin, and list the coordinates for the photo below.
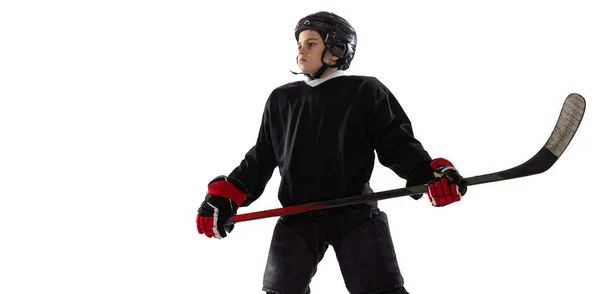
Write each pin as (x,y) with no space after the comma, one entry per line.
(448,185)
(224,196)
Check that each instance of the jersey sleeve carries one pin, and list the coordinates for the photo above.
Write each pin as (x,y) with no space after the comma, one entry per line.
(391,133)
(257,167)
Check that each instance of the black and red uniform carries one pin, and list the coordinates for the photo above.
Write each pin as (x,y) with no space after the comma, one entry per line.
(323,136)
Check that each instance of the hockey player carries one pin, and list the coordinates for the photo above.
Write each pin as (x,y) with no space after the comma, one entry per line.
(322,134)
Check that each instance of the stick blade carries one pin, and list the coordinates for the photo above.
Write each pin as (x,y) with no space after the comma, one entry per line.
(568,122)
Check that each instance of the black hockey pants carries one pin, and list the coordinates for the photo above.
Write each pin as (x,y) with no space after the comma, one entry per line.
(362,242)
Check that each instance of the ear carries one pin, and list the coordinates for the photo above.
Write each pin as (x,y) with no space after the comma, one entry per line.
(333,56)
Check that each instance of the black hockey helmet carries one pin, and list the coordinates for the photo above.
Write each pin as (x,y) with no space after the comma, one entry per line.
(339,35)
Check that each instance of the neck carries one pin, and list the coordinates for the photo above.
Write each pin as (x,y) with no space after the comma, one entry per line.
(328,72)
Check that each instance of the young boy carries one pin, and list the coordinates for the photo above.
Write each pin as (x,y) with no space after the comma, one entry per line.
(322,134)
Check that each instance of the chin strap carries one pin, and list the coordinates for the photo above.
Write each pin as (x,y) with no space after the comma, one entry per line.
(321,70)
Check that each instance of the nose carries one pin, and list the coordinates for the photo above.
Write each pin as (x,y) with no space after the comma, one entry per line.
(301,50)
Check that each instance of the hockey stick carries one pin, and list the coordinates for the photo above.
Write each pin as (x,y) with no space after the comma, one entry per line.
(569,119)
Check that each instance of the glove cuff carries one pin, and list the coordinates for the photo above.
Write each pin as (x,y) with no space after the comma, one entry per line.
(229,188)
(436,163)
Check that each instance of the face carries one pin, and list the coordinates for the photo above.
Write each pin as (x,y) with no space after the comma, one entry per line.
(310,48)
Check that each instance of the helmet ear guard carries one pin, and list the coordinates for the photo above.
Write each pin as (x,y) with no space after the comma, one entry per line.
(342,49)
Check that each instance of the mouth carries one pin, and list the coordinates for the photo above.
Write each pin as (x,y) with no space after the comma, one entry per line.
(301,60)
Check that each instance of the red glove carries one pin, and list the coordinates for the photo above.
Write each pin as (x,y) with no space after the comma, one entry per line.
(448,185)
(222,200)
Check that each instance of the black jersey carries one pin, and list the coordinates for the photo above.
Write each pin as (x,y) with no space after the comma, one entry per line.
(323,139)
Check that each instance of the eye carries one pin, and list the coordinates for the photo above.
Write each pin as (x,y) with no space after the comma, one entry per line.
(310,44)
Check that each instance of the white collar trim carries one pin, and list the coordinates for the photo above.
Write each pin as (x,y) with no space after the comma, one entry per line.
(335,74)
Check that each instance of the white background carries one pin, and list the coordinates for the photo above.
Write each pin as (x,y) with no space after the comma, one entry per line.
(114,115)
